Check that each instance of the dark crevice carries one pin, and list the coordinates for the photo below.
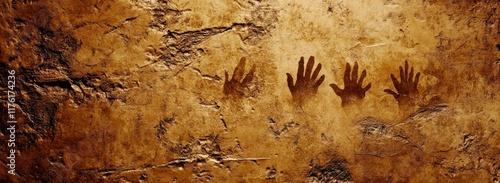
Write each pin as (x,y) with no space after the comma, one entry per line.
(161,128)
(333,171)
(61,84)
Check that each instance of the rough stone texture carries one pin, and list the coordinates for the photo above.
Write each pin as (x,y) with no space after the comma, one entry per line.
(133,91)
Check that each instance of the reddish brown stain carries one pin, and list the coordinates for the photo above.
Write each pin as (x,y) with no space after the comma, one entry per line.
(306,85)
(406,87)
(353,92)
(238,84)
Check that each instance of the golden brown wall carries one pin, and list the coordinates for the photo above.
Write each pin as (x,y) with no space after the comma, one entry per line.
(147,91)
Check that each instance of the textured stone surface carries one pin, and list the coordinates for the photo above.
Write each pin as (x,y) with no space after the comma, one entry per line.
(134,91)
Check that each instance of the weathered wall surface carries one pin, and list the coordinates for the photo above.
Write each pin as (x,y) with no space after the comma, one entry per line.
(147,91)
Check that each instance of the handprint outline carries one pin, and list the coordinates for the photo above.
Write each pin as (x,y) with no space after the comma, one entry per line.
(407,88)
(237,84)
(353,91)
(306,84)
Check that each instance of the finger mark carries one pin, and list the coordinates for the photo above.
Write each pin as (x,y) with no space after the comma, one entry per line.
(249,77)
(347,73)
(354,77)
(391,92)
(316,72)
(320,80)
(401,74)
(410,77)
(417,78)
(367,87)
(310,65)
(336,89)
(239,70)
(300,71)
(289,80)
(406,70)
(395,82)
(363,75)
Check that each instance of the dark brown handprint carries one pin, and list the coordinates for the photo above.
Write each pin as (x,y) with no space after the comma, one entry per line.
(353,91)
(306,84)
(407,90)
(237,85)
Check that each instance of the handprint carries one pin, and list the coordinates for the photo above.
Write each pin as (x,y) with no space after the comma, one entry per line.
(236,86)
(306,84)
(407,87)
(353,91)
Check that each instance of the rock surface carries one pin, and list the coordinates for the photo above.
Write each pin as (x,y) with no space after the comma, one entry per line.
(137,91)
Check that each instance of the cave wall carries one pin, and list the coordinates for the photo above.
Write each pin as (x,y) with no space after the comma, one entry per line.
(199,91)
